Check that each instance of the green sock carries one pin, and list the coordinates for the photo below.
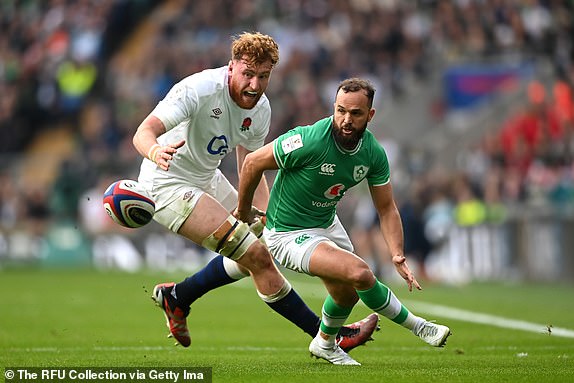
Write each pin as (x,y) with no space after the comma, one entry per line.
(334,316)
(381,299)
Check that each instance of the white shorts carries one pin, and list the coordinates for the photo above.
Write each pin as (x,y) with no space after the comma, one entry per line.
(293,249)
(176,200)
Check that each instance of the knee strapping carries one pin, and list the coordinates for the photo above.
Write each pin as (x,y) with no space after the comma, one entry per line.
(231,239)
(257,229)
(282,293)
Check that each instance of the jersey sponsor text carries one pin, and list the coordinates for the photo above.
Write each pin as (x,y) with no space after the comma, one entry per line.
(323,204)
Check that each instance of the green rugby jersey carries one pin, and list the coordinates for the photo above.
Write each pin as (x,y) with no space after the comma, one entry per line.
(314,174)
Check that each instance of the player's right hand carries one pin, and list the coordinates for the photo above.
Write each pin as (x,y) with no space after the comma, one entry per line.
(251,216)
(164,154)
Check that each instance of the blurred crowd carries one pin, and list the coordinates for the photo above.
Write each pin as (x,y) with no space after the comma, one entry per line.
(62,62)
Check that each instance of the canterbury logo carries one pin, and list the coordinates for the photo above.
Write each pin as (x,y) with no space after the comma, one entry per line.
(328,169)
(302,238)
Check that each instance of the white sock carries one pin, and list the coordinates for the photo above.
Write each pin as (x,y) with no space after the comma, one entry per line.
(325,343)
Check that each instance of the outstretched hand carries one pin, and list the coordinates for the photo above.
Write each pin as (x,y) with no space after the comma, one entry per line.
(403,269)
(165,153)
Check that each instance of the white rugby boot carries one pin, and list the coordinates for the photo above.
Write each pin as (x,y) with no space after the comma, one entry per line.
(434,334)
(333,355)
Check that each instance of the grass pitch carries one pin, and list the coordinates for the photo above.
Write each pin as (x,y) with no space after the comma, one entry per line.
(83,318)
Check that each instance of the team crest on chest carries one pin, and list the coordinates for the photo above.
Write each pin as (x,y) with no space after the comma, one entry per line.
(360,172)
(246,124)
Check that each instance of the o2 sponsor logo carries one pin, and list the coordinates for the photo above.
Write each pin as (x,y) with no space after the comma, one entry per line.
(218,146)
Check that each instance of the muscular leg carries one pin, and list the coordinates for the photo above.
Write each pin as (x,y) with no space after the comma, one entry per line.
(272,287)
(336,309)
(220,271)
(335,267)
(332,263)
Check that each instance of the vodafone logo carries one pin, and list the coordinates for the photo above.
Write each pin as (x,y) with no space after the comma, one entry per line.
(335,191)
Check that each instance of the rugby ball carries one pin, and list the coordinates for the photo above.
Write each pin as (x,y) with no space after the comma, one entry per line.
(128,204)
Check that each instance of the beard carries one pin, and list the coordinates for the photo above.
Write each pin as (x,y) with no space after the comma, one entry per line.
(348,141)
(243,100)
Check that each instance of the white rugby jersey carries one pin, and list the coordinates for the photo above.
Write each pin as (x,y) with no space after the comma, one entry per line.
(199,110)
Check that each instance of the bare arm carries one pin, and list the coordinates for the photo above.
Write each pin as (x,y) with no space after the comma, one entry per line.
(145,141)
(392,229)
(254,165)
(261,194)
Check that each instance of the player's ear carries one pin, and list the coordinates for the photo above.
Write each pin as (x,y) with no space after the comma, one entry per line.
(371,114)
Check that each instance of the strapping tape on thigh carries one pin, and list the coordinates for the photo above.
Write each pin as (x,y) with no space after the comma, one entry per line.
(231,239)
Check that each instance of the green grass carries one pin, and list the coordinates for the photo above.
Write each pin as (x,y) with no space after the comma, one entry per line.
(86,318)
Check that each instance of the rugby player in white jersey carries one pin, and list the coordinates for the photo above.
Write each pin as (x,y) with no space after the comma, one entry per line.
(202,119)
(317,165)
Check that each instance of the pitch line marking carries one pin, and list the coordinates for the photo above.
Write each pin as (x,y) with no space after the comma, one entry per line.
(257,349)
(487,319)
(309,290)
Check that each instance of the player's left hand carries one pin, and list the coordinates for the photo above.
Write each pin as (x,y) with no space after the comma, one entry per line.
(403,269)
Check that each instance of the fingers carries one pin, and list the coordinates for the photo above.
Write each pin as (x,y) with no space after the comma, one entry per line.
(243,216)
(165,154)
(252,216)
(172,148)
(411,281)
(162,159)
(399,259)
(178,144)
(403,269)
(416,284)
(255,212)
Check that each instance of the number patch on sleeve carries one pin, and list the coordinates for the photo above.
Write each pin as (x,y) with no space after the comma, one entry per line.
(291,143)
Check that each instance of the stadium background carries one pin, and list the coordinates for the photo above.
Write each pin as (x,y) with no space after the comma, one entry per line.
(474,102)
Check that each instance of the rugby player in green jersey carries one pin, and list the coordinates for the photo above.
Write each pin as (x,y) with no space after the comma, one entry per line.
(317,165)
